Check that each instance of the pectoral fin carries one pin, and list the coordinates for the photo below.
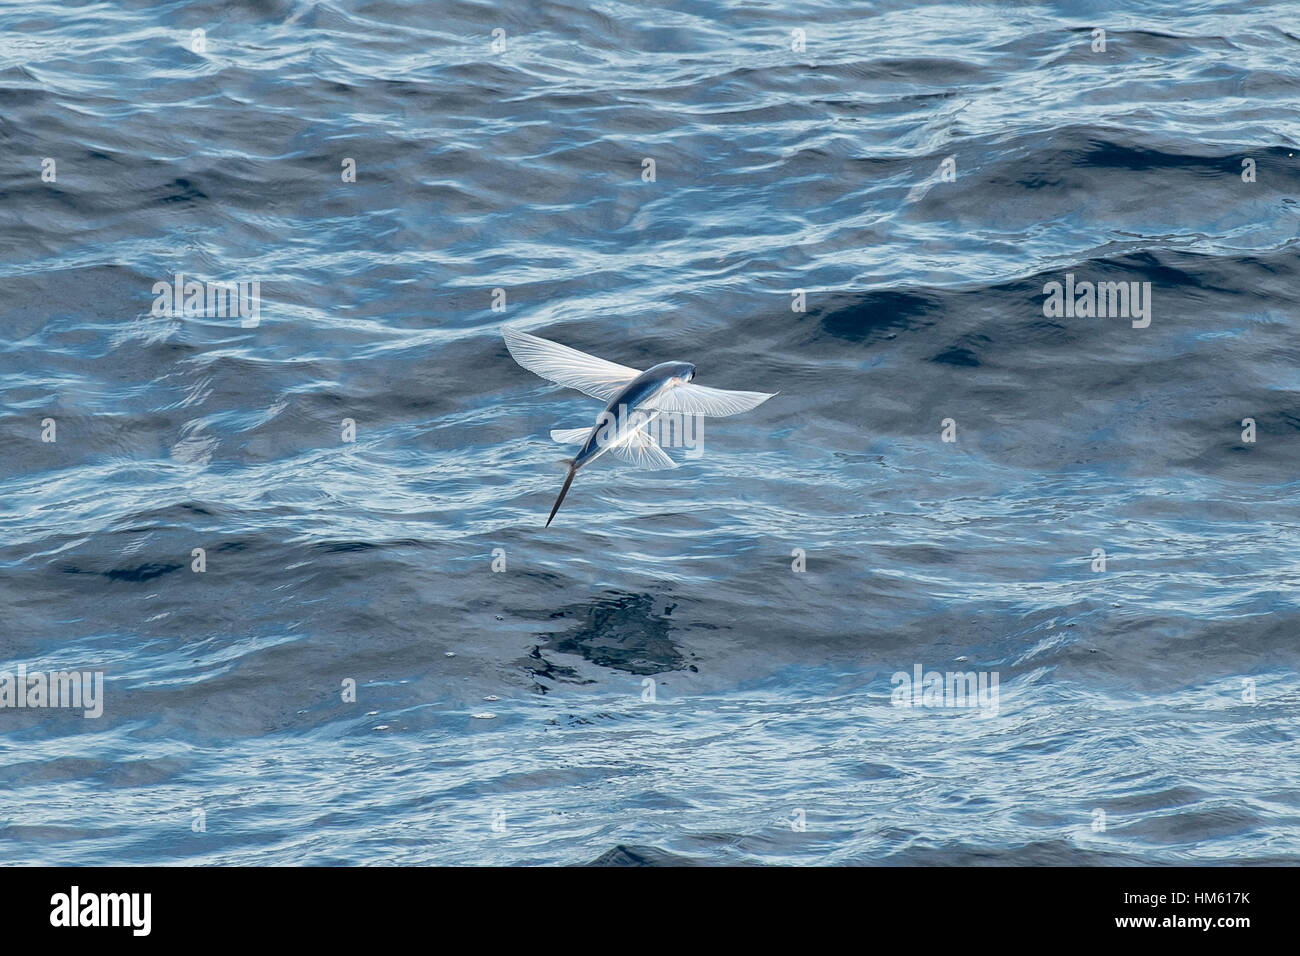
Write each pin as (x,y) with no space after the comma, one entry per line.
(566,366)
(702,400)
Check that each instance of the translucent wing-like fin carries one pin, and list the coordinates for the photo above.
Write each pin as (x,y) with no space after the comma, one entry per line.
(702,400)
(568,367)
(570,436)
(641,450)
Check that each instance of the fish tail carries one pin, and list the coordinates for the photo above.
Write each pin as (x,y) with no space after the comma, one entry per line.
(563,491)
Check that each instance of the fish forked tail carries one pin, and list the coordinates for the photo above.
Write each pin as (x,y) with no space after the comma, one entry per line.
(563,491)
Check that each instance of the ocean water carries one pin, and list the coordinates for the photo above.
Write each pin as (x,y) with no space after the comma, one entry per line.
(652,678)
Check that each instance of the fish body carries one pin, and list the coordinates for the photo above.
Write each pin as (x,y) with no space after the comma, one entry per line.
(631,409)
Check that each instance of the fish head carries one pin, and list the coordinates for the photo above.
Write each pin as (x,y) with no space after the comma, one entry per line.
(680,372)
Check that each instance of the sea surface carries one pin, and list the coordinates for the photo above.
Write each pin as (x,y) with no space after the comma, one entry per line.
(239,520)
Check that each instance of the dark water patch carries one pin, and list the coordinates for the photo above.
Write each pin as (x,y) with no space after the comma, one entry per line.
(137,574)
(624,631)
